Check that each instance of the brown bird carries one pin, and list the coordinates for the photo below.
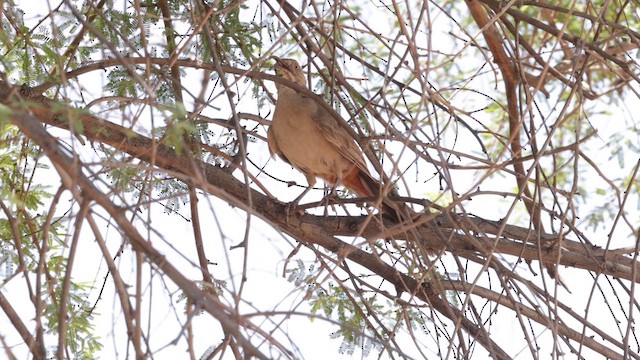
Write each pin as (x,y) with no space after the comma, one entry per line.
(308,137)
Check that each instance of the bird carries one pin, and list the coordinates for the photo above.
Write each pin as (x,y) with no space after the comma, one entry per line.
(309,138)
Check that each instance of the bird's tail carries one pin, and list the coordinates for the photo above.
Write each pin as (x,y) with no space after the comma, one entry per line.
(363,184)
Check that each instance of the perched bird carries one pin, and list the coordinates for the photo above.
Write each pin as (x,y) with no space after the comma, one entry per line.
(308,137)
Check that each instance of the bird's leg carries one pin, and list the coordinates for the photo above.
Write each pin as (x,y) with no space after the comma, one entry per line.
(330,195)
(325,202)
(294,204)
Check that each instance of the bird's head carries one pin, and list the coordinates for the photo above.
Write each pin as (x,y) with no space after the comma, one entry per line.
(290,70)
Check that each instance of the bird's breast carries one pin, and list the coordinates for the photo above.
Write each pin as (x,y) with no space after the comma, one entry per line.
(301,141)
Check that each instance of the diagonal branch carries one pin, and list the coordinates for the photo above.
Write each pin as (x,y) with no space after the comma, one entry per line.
(71,172)
(222,184)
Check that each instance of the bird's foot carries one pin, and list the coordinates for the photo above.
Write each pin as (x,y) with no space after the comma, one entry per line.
(290,209)
(329,200)
(293,206)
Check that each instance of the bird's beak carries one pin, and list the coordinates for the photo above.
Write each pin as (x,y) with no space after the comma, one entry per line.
(279,67)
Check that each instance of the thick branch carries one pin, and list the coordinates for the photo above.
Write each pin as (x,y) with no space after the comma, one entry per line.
(37,350)
(228,188)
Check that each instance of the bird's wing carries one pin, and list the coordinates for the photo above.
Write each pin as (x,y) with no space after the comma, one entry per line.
(339,137)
